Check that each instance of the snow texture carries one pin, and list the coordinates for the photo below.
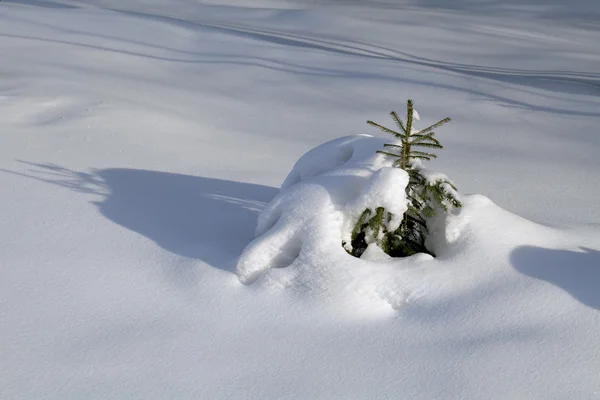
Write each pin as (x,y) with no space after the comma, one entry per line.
(325,193)
(321,200)
(385,188)
(306,219)
(140,140)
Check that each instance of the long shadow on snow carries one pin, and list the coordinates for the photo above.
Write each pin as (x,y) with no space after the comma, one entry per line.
(559,82)
(578,273)
(550,9)
(191,216)
(555,81)
(40,3)
(282,66)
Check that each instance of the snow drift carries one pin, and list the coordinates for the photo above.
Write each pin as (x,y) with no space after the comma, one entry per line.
(138,146)
(299,234)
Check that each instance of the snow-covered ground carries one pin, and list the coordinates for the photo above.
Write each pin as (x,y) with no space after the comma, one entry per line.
(140,140)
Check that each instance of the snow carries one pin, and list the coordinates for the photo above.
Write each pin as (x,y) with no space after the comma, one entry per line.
(385,188)
(416,115)
(301,231)
(308,214)
(140,141)
(299,234)
(431,177)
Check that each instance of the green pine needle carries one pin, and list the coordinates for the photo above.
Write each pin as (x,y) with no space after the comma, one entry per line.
(398,121)
(387,153)
(437,124)
(398,146)
(423,197)
(388,130)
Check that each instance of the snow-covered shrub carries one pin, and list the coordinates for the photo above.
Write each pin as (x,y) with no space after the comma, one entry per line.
(380,206)
(425,193)
(318,203)
(342,190)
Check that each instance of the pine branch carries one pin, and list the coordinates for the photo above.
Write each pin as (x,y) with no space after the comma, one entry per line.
(399,146)
(426,139)
(450,183)
(398,121)
(416,244)
(428,211)
(428,158)
(421,153)
(376,222)
(413,209)
(437,124)
(417,220)
(409,121)
(388,130)
(418,135)
(387,153)
(416,176)
(360,224)
(431,145)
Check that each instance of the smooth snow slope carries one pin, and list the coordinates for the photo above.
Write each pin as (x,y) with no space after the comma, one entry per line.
(139,140)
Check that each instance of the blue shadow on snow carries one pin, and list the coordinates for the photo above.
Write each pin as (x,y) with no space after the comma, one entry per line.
(195,217)
(578,273)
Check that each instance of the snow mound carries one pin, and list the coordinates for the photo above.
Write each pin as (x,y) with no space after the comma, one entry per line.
(299,234)
(385,188)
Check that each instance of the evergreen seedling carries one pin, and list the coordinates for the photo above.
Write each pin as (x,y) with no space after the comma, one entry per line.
(426,192)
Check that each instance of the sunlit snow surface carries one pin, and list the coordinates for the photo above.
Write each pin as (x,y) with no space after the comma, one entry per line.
(139,141)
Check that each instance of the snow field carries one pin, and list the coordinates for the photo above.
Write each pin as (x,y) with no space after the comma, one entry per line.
(140,142)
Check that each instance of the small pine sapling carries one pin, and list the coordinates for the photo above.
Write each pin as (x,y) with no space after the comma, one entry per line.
(427,192)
